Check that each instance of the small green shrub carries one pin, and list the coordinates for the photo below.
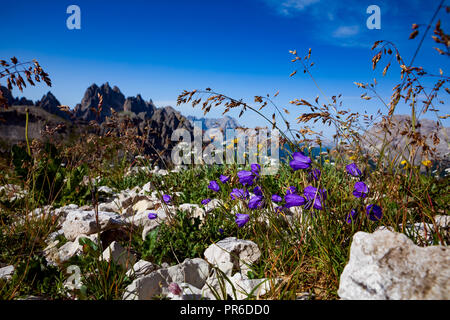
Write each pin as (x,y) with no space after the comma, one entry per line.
(184,237)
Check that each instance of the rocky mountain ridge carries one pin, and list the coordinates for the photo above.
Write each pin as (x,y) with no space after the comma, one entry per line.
(373,139)
(156,124)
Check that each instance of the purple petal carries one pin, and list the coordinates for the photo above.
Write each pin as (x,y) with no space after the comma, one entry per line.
(241,219)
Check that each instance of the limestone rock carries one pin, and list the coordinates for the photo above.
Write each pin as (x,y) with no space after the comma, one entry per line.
(194,209)
(84,223)
(52,236)
(119,255)
(388,265)
(213,204)
(422,232)
(188,292)
(111,206)
(105,189)
(141,268)
(193,271)
(6,272)
(233,254)
(238,287)
(149,225)
(148,187)
(244,287)
(55,255)
(127,199)
(145,288)
(143,205)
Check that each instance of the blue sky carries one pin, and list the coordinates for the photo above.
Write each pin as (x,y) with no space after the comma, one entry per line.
(239,48)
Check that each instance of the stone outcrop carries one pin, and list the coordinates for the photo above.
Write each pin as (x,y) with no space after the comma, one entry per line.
(81,222)
(373,139)
(386,265)
(231,254)
(11,101)
(50,104)
(112,98)
(156,125)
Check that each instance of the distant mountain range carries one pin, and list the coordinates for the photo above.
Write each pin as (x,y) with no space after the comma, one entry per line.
(163,121)
(143,114)
(398,144)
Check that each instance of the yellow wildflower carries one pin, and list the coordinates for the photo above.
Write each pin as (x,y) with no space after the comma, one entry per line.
(426,163)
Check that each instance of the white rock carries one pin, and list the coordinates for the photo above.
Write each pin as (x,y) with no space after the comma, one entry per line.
(143,205)
(213,204)
(162,172)
(155,195)
(148,187)
(136,170)
(127,199)
(215,287)
(105,189)
(442,221)
(12,192)
(52,236)
(111,206)
(39,213)
(141,219)
(388,265)
(85,223)
(141,268)
(145,288)
(6,272)
(66,209)
(149,225)
(194,209)
(193,271)
(59,214)
(119,255)
(233,254)
(188,292)
(421,232)
(244,287)
(55,255)
(222,287)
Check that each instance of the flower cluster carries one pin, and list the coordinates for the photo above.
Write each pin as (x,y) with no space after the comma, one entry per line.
(361,190)
(312,197)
